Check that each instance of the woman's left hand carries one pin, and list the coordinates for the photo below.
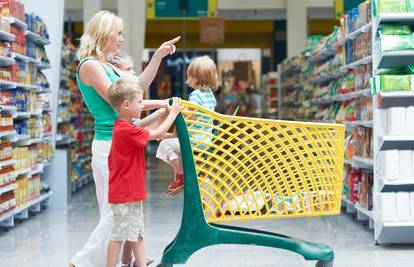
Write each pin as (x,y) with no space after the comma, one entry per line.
(167,47)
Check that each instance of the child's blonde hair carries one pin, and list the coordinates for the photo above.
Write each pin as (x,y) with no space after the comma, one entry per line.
(202,74)
(98,30)
(123,89)
(120,58)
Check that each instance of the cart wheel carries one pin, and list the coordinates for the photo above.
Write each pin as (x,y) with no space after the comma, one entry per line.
(164,265)
(324,264)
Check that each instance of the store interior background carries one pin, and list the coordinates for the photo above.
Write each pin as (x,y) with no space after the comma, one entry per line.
(255,37)
(259,58)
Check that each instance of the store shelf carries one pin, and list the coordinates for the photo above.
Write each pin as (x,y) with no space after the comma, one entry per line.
(7,188)
(292,86)
(363,29)
(322,55)
(392,17)
(357,207)
(27,114)
(18,23)
(405,185)
(353,65)
(7,163)
(82,159)
(395,232)
(81,182)
(356,94)
(33,202)
(363,210)
(5,36)
(63,120)
(361,163)
(36,38)
(8,134)
(39,169)
(24,58)
(325,77)
(8,109)
(394,59)
(394,99)
(23,171)
(292,70)
(353,124)
(19,138)
(6,61)
(340,98)
(396,142)
(11,85)
(43,65)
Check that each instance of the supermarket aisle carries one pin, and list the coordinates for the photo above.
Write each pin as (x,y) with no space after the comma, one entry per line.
(52,237)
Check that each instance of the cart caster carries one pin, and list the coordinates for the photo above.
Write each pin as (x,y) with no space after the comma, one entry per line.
(164,265)
(324,264)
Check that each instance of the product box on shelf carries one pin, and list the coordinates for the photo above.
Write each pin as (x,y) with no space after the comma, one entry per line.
(6,151)
(4,25)
(7,202)
(6,122)
(12,8)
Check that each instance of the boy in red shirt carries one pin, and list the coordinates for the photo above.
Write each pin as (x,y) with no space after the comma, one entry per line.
(127,168)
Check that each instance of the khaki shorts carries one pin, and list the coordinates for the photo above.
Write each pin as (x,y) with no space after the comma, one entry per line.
(129,221)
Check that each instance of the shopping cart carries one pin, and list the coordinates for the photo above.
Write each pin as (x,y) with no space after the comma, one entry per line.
(243,169)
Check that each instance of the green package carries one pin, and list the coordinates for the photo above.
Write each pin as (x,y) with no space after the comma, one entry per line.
(396,42)
(395,83)
(393,71)
(395,29)
(392,6)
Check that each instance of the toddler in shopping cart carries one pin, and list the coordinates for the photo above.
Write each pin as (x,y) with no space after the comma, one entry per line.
(127,168)
(202,77)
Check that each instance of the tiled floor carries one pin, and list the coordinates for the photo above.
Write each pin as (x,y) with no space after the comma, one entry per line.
(52,237)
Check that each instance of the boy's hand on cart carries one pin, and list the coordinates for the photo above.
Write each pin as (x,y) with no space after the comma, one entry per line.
(167,47)
(176,105)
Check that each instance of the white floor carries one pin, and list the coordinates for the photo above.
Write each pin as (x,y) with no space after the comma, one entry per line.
(52,237)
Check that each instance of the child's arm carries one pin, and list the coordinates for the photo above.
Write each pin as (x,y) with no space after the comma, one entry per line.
(151,118)
(169,135)
(148,75)
(154,104)
(165,125)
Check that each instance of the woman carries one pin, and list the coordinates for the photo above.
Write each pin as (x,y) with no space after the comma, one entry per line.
(101,40)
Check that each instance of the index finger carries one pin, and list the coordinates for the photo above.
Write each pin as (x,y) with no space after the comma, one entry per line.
(173,41)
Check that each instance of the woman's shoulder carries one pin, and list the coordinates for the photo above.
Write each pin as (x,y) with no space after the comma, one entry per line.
(90,68)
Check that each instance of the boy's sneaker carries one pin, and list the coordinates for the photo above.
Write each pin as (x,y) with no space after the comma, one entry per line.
(148,262)
(177,185)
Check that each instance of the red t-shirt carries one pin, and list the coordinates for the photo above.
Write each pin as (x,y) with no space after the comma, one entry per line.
(127,163)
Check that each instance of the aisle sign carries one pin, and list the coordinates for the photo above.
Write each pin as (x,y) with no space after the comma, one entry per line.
(181,9)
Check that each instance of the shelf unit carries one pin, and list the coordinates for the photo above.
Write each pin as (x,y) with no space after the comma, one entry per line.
(270,92)
(74,123)
(398,231)
(384,232)
(31,143)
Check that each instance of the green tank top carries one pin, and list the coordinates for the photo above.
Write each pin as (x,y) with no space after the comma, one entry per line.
(101,110)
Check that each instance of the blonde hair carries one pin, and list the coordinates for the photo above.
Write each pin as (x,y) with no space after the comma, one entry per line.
(123,89)
(120,58)
(202,73)
(98,30)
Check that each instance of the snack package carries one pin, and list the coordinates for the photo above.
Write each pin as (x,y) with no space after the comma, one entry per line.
(396,42)
(392,6)
(395,29)
(394,83)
